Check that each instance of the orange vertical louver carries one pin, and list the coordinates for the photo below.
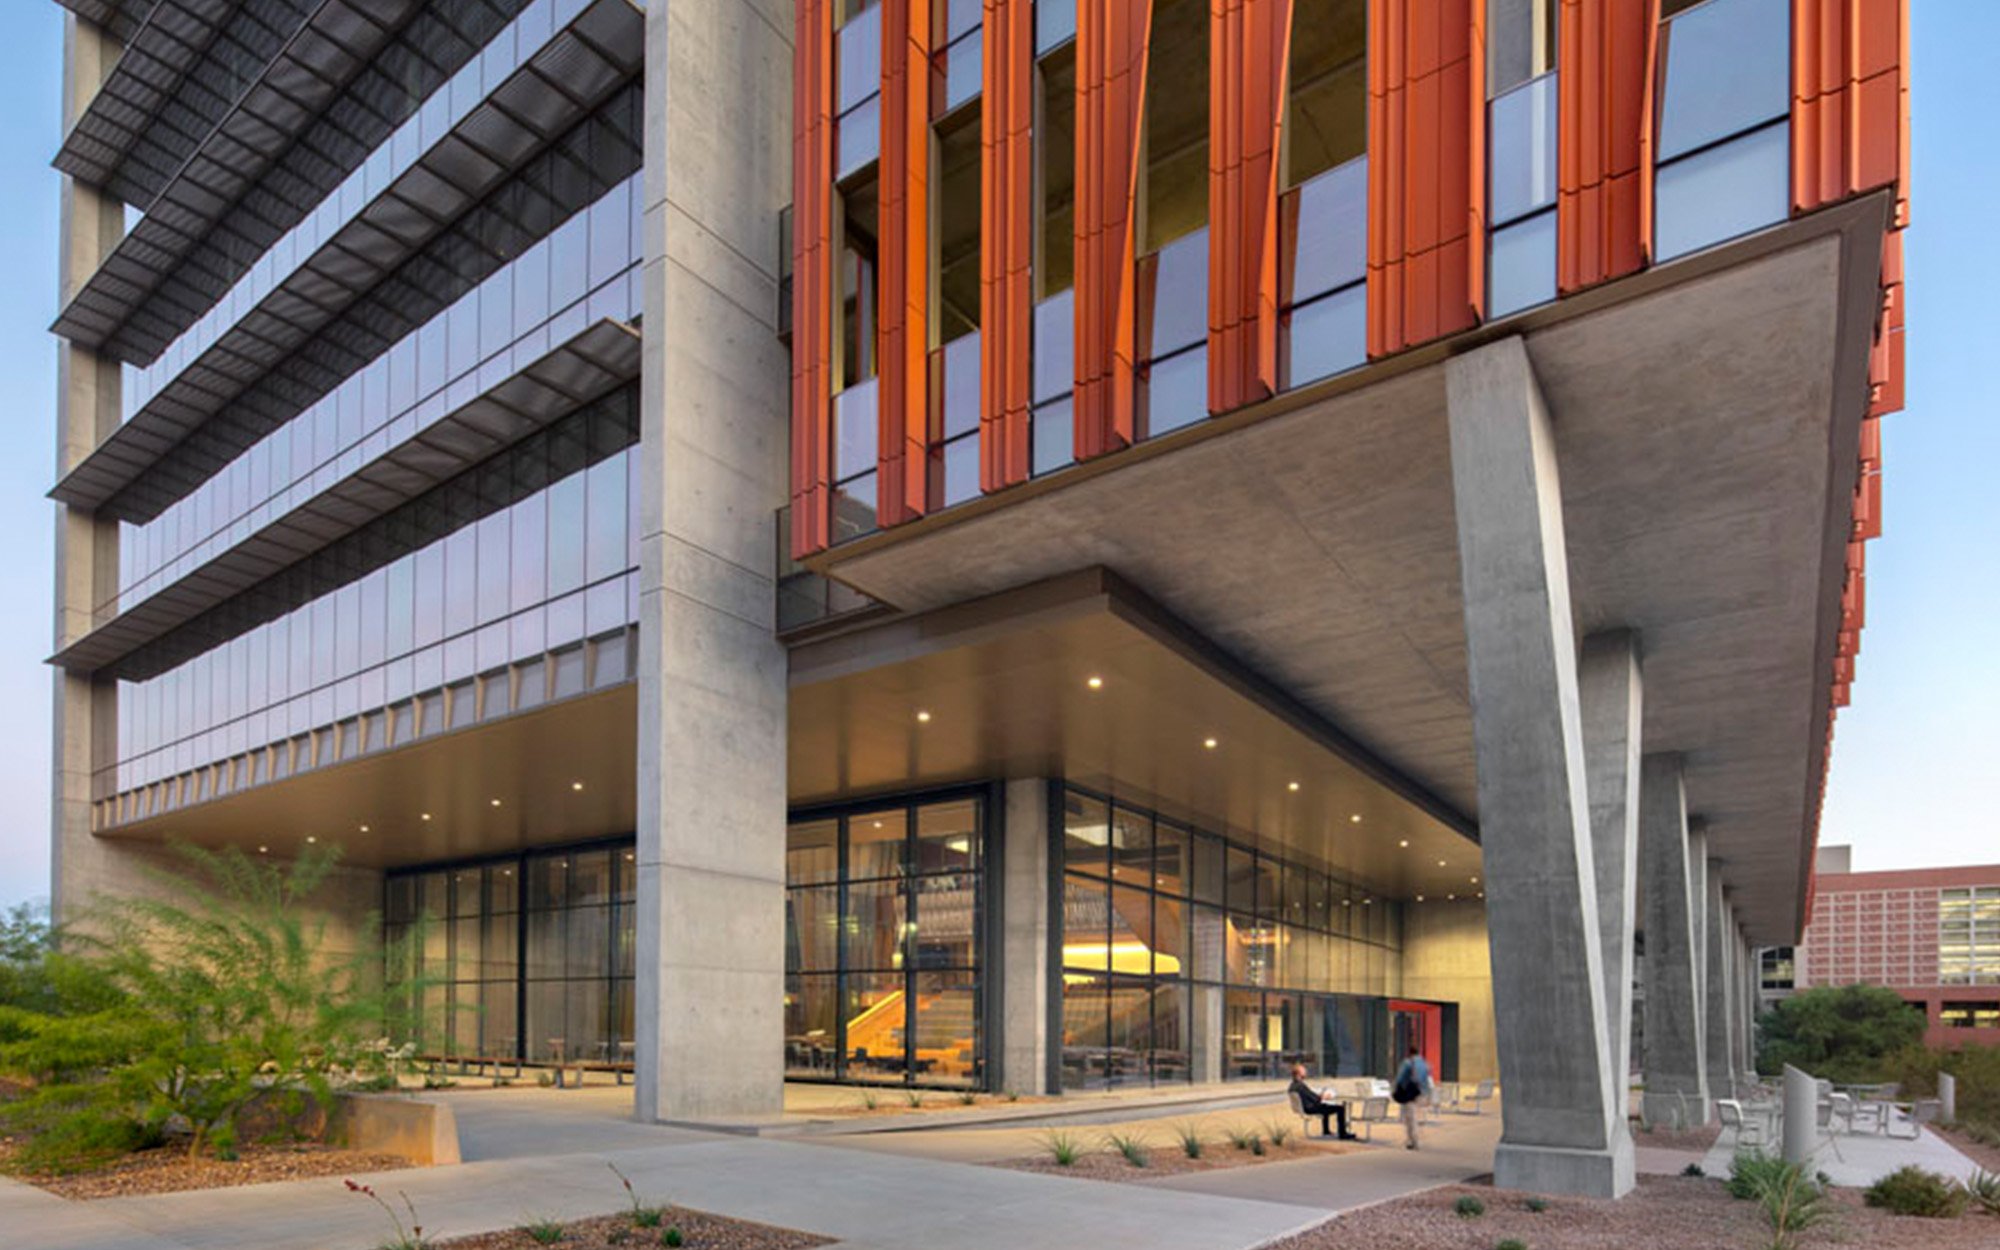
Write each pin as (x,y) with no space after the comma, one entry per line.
(1111,40)
(812,278)
(1006,217)
(903,395)
(1850,101)
(1606,52)
(1248,43)
(1426,170)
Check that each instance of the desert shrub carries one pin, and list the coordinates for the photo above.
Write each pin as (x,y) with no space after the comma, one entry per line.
(642,1215)
(915,1097)
(1752,1173)
(1241,1138)
(1910,1190)
(1537,1205)
(544,1232)
(1983,1187)
(1693,1169)
(1469,1207)
(1278,1131)
(188,1007)
(968,1097)
(1062,1146)
(671,1238)
(1257,1144)
(1190,1139)
(1842,1033)
(1792,1203)
(1977,1069)
(1129,1145)
(1510,1243)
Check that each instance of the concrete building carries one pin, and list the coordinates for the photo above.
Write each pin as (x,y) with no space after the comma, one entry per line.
(1930,934)
(1010,545)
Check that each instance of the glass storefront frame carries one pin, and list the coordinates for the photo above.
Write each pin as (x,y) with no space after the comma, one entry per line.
(856,942)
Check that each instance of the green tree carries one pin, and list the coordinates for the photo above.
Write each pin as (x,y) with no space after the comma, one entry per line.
(1842,1033)
(178,1012)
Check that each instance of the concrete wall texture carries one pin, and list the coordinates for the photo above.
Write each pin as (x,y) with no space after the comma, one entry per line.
(1446,958)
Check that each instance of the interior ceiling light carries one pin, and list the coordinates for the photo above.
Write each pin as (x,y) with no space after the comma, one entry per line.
(1356,818)
(1405,842)
(263,850)
(1095,683)
(1474,880)
(364,828)
(495,802)
(576,785)
(1420,898)
(1210,743)
(1293,787)
(426,815)
(1440,863)
(1451,898)
(923,718)
(310,839)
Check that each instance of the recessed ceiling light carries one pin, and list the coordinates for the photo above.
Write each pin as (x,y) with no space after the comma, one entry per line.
(1404,842)
(1451,898)
(495,802)
(878,824)
(1366,901)
(1474,880)
(1356,818)
(506,872)
(923,718)
(263,850)
(1420,898)
(1095,683)
(311,839)
(426,815)
(628,857)
(1293,787)
(576,785)
(1440,863)
(1210,743)
(364,828)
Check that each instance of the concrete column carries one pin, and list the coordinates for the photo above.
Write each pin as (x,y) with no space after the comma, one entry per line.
(1720,1022)
(1611,690)
(1676,1078)
(1023,1025)
(1205,1012)
(1559,1127)
(1746,1002)
(712,675)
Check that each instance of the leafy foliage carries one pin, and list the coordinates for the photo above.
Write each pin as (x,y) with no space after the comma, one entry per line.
(1190,1139)
(183,1010)
(1984,1188)
(1792,1203)
(1062,1146)
(1468,1207)
(1910,1190)
(1841,1033)
(1977,1069)
(1129,1145)
(1752,1172)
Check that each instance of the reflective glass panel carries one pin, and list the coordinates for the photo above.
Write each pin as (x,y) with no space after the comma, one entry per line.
(1728,68)
(1327,223)
(1522,135)
(1177,391)
(875,842)
(1054,437)
(858,45)
(1325,337)
(1722,192)
(855,430)
(1523,265)
(1179,292)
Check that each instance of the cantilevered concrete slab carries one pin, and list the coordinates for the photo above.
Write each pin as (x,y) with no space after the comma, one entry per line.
(1707,418)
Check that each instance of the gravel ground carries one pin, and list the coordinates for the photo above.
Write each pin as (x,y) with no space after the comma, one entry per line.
(1692,1139)
(699,1231)
(1109,1165)
(1663,1212)
(168,1170)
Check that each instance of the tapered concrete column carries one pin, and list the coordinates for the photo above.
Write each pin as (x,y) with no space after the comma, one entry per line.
(1748,980)
(1721,1011)
(712,675)
(1676,1077)
(1611,691)
(1024,939)
(1559,1121)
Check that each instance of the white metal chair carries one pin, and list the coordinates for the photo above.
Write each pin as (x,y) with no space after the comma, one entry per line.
(1749,1130)
(1480,1096)
(1373,1111)
(1444,1097)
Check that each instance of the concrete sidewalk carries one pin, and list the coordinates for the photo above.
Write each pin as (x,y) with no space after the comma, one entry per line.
(1861,1159)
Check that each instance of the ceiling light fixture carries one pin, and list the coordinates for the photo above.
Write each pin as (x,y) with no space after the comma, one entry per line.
(1210,743)
(1293,787)
(1451,898)
(923,718)
(310,839)
(1095,683)
(263,850)
(1404,843)
(1474,880)
(495,802)
(364,828)
(576,785)
(1355,819)
(1440,863)
(426,815)
(1420,898)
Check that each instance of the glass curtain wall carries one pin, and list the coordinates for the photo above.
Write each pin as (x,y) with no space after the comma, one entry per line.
(546,937)
(1724,108)
(884,925)
(1186,955)
(1323,212)
(1521,153)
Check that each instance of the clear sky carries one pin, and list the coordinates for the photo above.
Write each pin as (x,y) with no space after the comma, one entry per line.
(1916,759)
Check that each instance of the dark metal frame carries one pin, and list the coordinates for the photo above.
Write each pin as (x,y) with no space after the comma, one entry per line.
(985,928)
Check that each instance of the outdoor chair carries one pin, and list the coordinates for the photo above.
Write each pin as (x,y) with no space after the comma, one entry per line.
(1299,1110)
(1444,1097)
(1749,1130)
(1480,1096)
(1373,1111)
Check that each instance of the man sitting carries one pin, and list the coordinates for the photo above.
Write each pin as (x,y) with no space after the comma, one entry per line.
(1311,1103)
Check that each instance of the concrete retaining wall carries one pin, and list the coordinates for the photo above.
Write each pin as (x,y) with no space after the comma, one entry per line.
(422,1131)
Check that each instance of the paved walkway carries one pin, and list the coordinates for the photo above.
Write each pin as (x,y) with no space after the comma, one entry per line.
(542,1154)
(1861,1159)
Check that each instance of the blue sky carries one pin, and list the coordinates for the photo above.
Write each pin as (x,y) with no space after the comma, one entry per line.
(1915,762)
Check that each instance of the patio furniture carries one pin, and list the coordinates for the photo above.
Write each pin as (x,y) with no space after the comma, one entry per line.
(1750,1130)
(1373,1111)
(1480,1096)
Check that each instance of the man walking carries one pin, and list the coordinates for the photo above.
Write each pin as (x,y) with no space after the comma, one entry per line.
(1411,1086)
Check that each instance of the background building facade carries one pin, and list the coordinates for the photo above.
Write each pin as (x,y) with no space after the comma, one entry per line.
(1016,545)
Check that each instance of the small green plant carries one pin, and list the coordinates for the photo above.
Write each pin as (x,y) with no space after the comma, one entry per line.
(1537,1205)
(544,1231)
(407,1236)
(1792,1203)
(1910,1190)
(434,1080)
(1983,1187)
(1257,1144)
(545,1078)
(502,1082)
(1011,1095)
(1062,1146)
(1751,1173)
(1693,1169)
(642,1215)
(967,1098)
(1241,1138)
(915,1097)
(1129,1145)
(869,1101)
(1278,1131)
(1510,1243)
(1189,1135)
(671,1237)
(1469,1207)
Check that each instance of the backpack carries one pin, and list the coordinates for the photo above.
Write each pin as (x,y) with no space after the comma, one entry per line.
(1406,1090)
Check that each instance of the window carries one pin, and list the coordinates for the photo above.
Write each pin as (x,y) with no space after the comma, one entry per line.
(1520,42)
(854,419)
(1969,936)
(1172,277)
(1052,435)
(955,261)
(1776,968)
(1323,215)
(1158,917)
(957,32)
(884,914)
(1723,144)
(1970,1015)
